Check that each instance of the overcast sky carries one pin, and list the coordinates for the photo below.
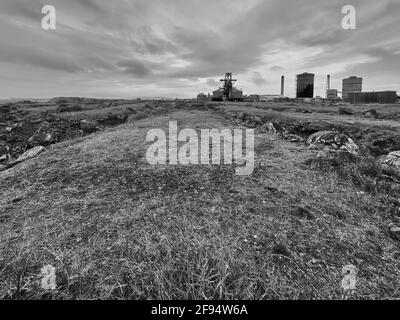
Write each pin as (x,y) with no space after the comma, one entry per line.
(177,48)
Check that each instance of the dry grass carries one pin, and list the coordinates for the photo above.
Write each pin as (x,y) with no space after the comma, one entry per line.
(117,228)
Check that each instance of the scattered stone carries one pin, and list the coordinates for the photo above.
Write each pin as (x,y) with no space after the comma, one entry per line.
(335,140)
(272,127)
(4,152)
(89,126)
(31,154)
(46,135)
(395,232)
(391,161)
(292,137)
(55,130)
(113,120)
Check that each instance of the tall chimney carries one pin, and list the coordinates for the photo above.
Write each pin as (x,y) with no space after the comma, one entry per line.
(328,84)
(283,86)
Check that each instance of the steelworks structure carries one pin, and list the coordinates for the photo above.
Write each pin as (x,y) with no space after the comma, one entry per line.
(352,84)
(305,85)
(228,91)
(332,94)
(372,97)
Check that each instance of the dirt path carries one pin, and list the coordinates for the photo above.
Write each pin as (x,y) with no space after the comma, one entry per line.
(114,226)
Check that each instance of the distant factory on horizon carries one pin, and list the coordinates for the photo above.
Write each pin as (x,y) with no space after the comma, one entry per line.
(352,91)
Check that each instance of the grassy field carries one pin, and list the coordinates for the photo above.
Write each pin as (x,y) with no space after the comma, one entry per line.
(117,228)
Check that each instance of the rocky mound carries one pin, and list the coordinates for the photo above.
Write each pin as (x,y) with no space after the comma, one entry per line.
(335,140)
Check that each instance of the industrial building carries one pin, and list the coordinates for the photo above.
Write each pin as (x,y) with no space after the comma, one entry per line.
(332,94)
(372,97)
(352,84)
(202,96)
(351,92)
(252,98)
(272,97)
(227,91)
(305,85)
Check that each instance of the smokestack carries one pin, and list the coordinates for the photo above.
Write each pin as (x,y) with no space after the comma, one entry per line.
(283,86)
(328,84)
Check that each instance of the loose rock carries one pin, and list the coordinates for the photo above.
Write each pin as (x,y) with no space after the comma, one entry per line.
(391,161)
(31,154)
(395,232)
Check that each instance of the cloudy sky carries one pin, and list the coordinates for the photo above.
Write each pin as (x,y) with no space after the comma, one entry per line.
(177,48)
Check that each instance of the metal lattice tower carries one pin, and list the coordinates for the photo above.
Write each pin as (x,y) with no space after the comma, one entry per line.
(228,85)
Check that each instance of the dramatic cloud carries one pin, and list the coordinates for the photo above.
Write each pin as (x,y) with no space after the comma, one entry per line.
(258,79)
(176,48)
(135,67)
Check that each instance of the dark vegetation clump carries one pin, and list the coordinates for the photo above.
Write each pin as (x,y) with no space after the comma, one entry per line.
(345,111)
(364,172)
(64,107)
(381,143)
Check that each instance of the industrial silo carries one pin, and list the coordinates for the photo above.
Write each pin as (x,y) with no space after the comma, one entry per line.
(305,85)
(352,84)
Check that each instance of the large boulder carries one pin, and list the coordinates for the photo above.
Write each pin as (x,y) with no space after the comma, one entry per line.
(334,140)
(273,127)
(14,126)
(31,153)
(391,162)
